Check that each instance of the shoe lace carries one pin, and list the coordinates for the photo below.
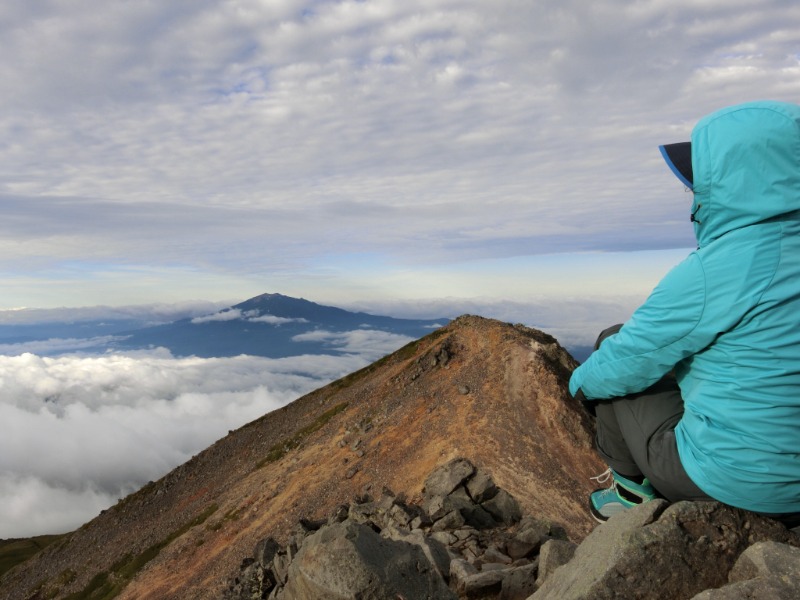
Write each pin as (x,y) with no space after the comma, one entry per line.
(604,477)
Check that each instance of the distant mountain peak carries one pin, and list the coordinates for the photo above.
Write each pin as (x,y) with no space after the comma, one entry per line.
(285,306)
(269,296)
(271,325)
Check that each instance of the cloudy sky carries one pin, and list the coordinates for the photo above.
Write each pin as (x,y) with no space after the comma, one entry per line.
(407,157)
(360,150)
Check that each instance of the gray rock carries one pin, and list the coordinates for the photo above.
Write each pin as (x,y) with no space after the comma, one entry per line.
(444,537)
(452,520)
(364,512)
(276,594)
(390,549)
(436,507)
(280,567)
(493,566)
(554,554)
(517,549)
(446,478)
(478,517)
(483,585)
(420,521)
(493,555)
(535,530)
(481,487)
(504,508)
(459,500)
(531,535)
(653,551)
(766,570)
(519,583)
(767,559)
(340,514)
(254,583)
(434,550)
(465,533)
(400,515)
(265,551)
(350,560)
(460,569)
(387,500)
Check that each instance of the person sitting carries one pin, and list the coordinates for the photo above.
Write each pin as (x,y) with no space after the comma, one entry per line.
(697,395)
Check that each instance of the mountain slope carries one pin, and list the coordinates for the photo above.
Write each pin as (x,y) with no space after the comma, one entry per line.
(479,389)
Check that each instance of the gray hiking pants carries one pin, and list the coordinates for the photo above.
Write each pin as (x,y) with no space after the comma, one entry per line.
(636,436)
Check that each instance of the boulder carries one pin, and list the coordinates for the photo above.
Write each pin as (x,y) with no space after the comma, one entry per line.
(768,570)
(657,551)
(519,583)
(434,550)
(481,487)
(443,480)
(481,585)
(503,507)
(554,554)
(532,533)
(351,560)
(387,548)
(390,549)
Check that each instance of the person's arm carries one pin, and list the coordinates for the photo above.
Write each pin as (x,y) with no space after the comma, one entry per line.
(658,335)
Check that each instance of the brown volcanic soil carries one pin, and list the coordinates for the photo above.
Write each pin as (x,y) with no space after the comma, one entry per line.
(490,392)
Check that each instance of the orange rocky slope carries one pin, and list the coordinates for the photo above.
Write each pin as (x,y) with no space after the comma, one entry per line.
(480,389)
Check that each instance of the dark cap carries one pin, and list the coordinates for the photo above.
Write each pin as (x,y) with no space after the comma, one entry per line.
(679,159)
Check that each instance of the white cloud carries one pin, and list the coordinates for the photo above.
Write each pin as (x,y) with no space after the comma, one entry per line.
(574,321)
(58,345)
(364,342)
(273,320)
(232,314)
(78,433)
(30,504)
(147,313)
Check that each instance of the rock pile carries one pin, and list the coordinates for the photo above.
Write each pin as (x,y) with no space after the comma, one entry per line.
(467,540)
(692,550)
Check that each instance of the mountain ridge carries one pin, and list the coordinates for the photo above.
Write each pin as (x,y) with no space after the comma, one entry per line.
(488,391)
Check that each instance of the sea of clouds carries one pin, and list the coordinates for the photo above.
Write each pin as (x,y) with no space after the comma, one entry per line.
(82,431)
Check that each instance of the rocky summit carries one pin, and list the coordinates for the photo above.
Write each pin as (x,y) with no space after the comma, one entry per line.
(469,539)
(457,467)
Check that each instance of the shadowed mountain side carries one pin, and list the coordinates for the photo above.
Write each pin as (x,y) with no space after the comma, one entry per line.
(479,389)
(270,325)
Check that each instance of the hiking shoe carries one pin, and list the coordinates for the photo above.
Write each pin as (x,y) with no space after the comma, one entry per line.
(622,495)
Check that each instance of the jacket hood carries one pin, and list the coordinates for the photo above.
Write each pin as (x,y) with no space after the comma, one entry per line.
(746,166)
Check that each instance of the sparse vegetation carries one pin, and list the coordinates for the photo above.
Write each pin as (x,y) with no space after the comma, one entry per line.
(231,515)
(122,503)
(109,584)
(404,353)
(280,449)
(14,552)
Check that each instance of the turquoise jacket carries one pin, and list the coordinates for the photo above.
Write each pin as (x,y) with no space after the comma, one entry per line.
(727,318)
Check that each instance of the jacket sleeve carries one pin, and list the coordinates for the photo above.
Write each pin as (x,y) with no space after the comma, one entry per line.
(659,334)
